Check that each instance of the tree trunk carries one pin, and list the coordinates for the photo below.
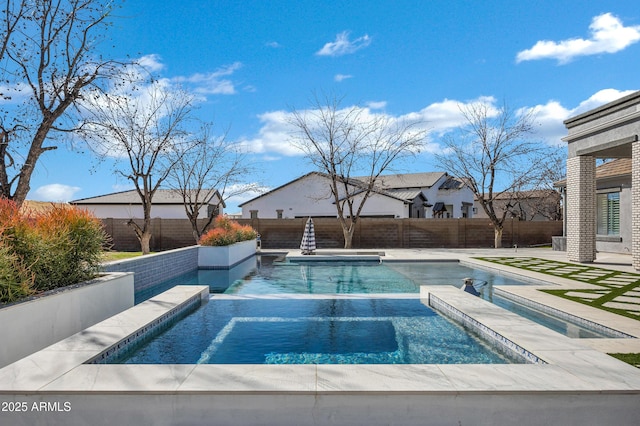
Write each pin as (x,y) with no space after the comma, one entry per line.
(347,232)
(143,234)
(497,236)
(145,240)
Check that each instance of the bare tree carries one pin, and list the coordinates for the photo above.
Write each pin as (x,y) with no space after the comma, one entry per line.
(145,127)
(496,156)
(47,61)
(213,170)
(345,143)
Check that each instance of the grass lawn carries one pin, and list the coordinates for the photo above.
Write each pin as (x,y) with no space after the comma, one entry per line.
(633,359)
(108,256)
(614,286)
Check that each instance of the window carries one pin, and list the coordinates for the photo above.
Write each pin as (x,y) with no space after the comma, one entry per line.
(608,212)
(254,214)
(279,214)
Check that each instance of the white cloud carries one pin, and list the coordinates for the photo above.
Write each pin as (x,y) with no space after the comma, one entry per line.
(600,98)
(344,46)
(212,83)
(14,94)
(438,118)
(441,117)
(274,136)
(551,116)
(273,44)
(152,63)
(608,35)
(377,105)
(55,192)
(341,77)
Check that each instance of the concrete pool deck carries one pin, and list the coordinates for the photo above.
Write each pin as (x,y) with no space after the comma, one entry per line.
(579,384)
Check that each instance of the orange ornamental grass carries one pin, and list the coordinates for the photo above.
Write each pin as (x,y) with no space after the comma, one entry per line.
(56,247)
(227,232)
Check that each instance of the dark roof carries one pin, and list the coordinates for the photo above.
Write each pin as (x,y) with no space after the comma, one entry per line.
(451,183)
(439,207)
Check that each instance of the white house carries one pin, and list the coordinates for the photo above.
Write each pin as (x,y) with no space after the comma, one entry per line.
(166,204)
(416,195)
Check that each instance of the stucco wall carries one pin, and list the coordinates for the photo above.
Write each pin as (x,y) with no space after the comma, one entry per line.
(59,314)
(310,196)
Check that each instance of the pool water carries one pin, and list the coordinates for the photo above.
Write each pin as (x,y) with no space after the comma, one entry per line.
(303,330)
(271,275)
(566,326)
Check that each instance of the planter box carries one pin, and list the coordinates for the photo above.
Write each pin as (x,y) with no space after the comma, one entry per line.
(37,323)
(225,257)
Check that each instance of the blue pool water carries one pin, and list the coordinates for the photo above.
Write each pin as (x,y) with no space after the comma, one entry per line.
(269,275)
(570,327)
(260,330)
(266,311)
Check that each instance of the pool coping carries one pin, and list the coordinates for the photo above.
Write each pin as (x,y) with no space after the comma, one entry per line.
(571,366)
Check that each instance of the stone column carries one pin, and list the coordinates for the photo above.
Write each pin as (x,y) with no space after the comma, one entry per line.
(581,209)
(635,204)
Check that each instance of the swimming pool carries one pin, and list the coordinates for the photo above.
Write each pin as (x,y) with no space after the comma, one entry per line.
(273,275)
(269,275)
(313,330)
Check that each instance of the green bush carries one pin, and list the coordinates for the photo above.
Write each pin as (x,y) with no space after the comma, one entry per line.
(16,282)
(58,247)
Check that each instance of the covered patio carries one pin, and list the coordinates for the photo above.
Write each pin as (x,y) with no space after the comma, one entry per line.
(610,131)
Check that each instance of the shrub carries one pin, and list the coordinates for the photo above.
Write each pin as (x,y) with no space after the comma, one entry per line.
(16,282)
(227,232)
(56,248)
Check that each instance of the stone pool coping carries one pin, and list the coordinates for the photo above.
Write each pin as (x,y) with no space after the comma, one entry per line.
(571,366)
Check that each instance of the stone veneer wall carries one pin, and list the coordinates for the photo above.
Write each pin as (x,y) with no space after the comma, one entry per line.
(581,213)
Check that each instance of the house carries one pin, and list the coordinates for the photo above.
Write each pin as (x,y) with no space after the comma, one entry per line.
(613,206)
(607,132)
(166,204)
(539,204)
(416,195)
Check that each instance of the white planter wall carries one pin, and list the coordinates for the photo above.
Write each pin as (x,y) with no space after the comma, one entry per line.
(35,324)
(225,256)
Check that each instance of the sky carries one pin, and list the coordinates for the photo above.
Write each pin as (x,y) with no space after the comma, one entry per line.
(251,63)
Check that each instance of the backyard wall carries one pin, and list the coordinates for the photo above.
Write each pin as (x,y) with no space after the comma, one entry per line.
(39,322)
(370,233)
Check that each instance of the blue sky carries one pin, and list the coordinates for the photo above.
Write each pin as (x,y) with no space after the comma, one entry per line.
(251,62)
